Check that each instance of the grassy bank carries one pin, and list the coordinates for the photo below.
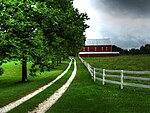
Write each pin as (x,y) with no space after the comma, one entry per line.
(131,62)
(11,89)
(33,102)
(84,96)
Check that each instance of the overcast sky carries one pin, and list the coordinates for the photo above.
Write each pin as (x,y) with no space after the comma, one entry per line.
(125,22)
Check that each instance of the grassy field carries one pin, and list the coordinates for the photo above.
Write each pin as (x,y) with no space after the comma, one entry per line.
(33,102)
(11,89)
(133,63)
(84,96)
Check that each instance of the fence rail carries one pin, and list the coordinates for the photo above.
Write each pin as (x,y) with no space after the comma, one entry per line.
(102,75)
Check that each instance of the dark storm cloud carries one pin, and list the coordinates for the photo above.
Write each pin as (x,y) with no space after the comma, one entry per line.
(132,8)
(125,22)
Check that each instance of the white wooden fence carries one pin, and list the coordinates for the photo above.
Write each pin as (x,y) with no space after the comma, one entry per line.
(102,75)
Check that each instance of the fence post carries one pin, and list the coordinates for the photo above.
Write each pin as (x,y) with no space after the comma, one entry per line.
(121,79)
(94,76)
(103,76)
(88,67)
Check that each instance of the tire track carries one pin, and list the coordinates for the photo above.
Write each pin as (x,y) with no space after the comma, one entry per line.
(45,105)
(16,103)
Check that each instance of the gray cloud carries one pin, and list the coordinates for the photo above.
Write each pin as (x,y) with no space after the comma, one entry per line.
(125,22)
(126,33)
(131,8)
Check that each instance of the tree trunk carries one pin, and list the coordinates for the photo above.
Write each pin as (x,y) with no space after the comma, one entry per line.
(57,62)
(53,62)
(24,69)
(60,60)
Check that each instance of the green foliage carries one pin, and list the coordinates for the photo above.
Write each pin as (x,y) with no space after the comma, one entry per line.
(40,30)
(143,50)
(20,34)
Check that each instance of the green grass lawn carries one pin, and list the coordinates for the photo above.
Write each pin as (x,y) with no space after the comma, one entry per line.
(85,96)
(131,62)
(33,102)
(11,89)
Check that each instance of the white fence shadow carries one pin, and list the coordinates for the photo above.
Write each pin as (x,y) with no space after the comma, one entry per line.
(102,75)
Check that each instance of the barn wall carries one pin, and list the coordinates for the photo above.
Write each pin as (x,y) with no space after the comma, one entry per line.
(98,55)
(104,48)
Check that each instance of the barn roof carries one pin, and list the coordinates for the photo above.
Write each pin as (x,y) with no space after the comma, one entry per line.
(97,42)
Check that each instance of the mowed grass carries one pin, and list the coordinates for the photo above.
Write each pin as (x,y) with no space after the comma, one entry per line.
(35,101)
(85,96)
(10,87)
(131,62)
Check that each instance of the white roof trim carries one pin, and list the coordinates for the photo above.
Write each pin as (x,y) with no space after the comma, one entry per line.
(84,53)
(97,42)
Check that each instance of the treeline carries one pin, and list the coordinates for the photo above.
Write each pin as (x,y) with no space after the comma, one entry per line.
(143,50)
(39,31)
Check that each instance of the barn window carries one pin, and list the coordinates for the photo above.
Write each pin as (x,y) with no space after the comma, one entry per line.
(95,49)
(106,48)
(88,49)
(102,48)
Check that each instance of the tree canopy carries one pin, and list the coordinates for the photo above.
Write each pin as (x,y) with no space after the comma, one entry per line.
(39,30)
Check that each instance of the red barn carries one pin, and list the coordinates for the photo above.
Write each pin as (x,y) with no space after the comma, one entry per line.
(97,47)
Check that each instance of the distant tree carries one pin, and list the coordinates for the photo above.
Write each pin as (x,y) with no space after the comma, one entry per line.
(126,52)
(142,50)
(115,48)
(134,51)
(145,49)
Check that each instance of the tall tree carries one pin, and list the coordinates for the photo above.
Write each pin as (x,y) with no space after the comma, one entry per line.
(38,30)
(21,36)
(64,27)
